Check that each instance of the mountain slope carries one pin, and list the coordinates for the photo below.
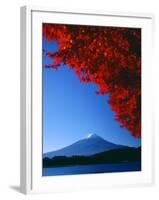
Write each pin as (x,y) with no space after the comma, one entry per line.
(89,146)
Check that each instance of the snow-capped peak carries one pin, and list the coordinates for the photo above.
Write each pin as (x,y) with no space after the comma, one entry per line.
(92,135)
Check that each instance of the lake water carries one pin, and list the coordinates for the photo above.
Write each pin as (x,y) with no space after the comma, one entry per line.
(88,169)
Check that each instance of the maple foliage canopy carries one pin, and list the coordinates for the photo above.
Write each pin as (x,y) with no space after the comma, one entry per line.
(109,57)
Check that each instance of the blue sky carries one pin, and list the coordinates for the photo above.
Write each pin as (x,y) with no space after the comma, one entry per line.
(72,110)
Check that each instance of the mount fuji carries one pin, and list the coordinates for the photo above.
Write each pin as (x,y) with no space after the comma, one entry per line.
(93,144)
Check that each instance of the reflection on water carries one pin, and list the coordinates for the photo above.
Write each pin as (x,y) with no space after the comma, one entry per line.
(88,169)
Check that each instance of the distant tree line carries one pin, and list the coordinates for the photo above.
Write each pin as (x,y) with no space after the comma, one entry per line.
(122,155)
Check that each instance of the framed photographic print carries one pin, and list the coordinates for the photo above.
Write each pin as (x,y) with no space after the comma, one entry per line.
(86,100)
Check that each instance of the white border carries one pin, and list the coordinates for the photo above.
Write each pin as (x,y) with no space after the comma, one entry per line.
(31,81)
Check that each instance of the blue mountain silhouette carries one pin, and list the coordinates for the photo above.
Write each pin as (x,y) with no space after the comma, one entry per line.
(88,146)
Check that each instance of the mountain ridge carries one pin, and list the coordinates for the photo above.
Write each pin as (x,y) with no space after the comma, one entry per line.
(88,146)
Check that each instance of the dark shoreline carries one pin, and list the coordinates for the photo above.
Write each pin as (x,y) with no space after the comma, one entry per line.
(116,156)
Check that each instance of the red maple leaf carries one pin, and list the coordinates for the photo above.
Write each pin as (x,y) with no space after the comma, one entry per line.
(109,57)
